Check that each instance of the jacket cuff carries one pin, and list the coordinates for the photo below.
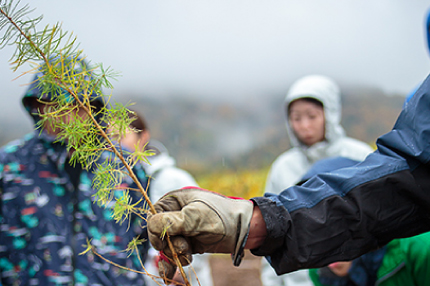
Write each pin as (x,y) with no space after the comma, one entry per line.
(278,221)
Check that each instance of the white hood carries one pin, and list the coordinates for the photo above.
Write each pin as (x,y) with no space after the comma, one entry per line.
(163,173)
(160,160)
(327,92)
(289,168)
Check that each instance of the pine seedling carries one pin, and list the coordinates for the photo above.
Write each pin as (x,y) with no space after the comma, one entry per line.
(62,71)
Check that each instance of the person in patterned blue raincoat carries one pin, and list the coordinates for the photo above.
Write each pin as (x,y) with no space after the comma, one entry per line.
(47,213)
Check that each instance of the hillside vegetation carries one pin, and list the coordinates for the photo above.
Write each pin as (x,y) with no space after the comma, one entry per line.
(229,148)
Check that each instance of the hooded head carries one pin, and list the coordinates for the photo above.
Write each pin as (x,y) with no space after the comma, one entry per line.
(140,134)
(46,91)
(323,90)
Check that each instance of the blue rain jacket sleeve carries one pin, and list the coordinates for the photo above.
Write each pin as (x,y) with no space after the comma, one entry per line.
(343,214)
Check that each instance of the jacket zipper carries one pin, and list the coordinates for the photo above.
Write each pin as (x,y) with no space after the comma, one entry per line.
(390,274)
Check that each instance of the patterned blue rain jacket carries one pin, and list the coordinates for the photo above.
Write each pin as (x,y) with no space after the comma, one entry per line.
(47,213)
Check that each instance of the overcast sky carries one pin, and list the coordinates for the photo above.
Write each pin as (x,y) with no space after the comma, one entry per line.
(240,48)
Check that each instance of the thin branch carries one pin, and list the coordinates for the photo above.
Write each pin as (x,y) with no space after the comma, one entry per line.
(52,43)
(13,23)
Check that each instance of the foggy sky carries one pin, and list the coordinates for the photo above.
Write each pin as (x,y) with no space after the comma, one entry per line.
(234,49)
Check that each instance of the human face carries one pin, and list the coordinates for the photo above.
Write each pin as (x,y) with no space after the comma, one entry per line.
(340,268)
(64,118)
(133,139)
(130,140)
(307,121)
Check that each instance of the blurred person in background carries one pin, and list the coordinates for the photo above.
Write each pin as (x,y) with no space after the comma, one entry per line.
(334,216)
(164,177)
(47,209)
(403,261)
(312,109)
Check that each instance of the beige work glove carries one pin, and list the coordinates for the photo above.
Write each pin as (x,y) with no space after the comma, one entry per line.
(200,221)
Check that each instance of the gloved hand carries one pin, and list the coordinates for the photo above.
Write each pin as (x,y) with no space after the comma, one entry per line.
(209,222)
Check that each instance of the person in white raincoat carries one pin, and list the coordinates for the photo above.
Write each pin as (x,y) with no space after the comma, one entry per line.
(164,177)
(313,113)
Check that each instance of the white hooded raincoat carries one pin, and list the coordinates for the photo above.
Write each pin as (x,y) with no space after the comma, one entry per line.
(288,169)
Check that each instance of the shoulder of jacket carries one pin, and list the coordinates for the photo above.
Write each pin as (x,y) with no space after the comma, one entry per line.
(349,142)
(354,141)
(405,250)
(172,173)
(418,245)
(290,154)
(14,148)
(288,165)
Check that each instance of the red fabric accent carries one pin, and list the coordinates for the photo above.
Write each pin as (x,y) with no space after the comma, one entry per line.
(159,257)
(235,198)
